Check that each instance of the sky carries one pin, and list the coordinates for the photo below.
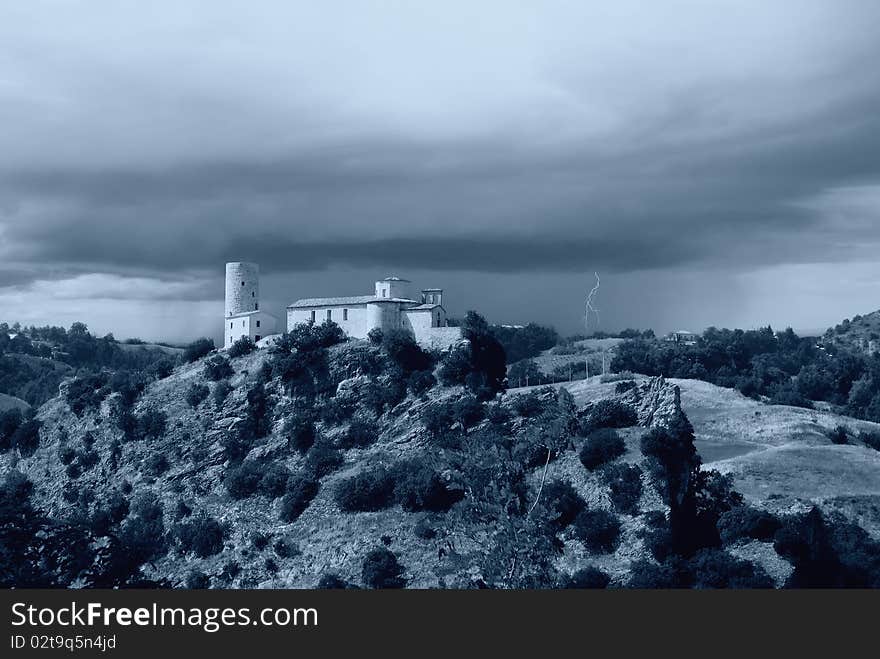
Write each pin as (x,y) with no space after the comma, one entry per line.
(715,163)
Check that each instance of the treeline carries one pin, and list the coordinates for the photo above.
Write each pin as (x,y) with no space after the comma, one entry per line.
(37,380)
(784,367)
(524,342)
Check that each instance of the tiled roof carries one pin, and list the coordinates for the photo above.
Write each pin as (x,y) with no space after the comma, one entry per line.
(424,307)
(340,301)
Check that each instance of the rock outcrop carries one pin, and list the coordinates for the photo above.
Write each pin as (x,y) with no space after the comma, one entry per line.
(657,403)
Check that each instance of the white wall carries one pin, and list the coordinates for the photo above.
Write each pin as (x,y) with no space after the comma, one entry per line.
(355,326)
(248,326)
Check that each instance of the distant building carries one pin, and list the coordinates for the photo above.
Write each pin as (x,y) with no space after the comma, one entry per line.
(242,316)
(390,307)
(682,336)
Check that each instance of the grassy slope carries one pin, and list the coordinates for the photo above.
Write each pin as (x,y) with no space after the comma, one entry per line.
(11,402)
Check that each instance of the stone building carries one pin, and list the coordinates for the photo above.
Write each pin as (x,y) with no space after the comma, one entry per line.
(391,307)
(242,316)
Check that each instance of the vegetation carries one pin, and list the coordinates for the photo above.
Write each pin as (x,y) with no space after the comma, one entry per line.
(381,569)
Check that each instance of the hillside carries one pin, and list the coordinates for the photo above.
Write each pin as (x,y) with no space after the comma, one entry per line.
(12,403)
(861,334)
(314,466)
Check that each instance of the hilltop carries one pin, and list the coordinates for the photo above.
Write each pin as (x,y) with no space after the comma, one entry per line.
(335,463)
(861,334)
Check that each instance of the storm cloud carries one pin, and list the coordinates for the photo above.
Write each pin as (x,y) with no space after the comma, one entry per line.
(485,142)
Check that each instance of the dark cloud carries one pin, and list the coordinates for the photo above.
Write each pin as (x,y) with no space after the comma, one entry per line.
(734,136)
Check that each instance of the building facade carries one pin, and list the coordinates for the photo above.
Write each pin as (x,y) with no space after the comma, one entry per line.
(242,316)
(392,306)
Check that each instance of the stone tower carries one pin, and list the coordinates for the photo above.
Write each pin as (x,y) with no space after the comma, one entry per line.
(242,288)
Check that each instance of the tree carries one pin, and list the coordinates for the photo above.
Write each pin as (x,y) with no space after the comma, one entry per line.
(381,569)
(196,350)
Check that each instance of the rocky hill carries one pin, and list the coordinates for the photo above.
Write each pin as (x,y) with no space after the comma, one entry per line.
(345,466)
(861,334)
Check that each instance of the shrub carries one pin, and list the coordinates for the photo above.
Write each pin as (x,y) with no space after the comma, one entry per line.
(747,522)
(202,536)
(527,405)
(323,458)
(625,487)
(438,419)
(468,411)
(419,382)
(151,424)
(196,393)
(334,411)
(217,368)
(143,533)
(273,482)
(198,580)
(405,352)
(624,386)
(301,489)
(240,348)
(26,437)
(156,464)
(285,548)
(589,577)
(359,434)
(715,568)
(562,502)
(381,569)
(300,433)
(332,581)
(66,455)
(600,447)
(840,435)
(372,489)
(221,391)
(418,487)
(375,336)
(599,530)
(242,481)
(197,349)
(161,368)
(9,422)
(86,393)
(870,439)
(608,414)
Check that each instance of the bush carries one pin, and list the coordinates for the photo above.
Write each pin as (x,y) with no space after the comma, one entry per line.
(240,348)
(715,568)
(438,419)
(419,382)
(405,352)
(747,522)
(562,502)
(589,577)
(527,405)
(273,483)
(301,489)
(26,437)
(381,569)
(196,393)
(359,434)
(221,391)
(840,435)
(156,464)
(468,411)
(870,439)
(331,581)
(323,458)
(86,393)
(198,580)
(242,481)
(372,489)
(625,487)
(624,386)
(600,447)
(202,536)
(608,414)
(197,349)
(217,368)
(300,433)
(598,530)
(285,548)
(375,336)
(418,487)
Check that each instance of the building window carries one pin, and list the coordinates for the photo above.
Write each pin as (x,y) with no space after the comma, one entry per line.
(230,324)
(231,339)
(345,314)
(242,283)
(313,315)
(384,292)
(258,323)
(329,314)
(242,323)
(253,294)
(256,306)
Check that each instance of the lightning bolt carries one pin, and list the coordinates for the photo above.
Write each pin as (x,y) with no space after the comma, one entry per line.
(590,308)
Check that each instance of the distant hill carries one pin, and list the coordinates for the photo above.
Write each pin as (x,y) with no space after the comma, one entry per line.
(12,403)
(859,334)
